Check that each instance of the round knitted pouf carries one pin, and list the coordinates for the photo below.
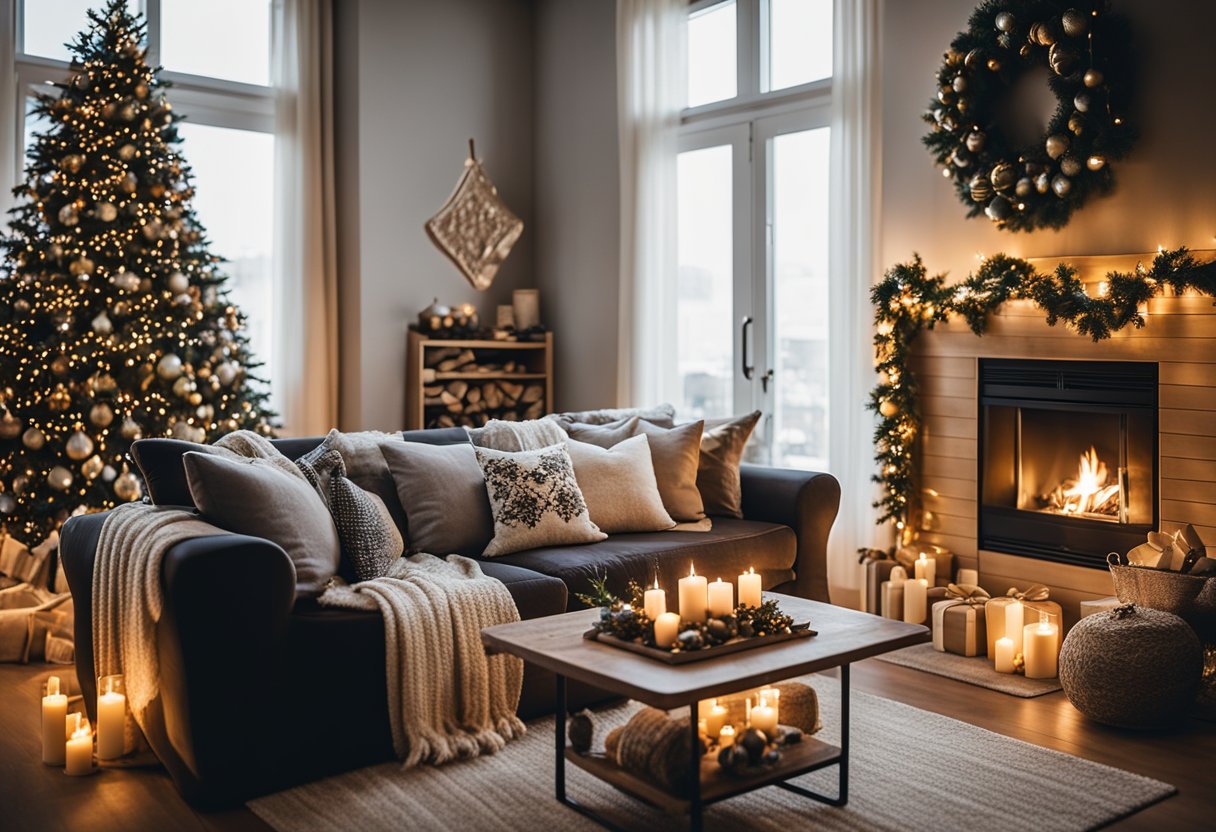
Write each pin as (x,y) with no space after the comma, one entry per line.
(1131,667)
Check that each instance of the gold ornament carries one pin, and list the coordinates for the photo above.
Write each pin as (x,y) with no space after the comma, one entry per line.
(69,215)
(1076,123)
(183,386)
(101,414)
(981,188)
(103,383)
(1070,165)
(999,209)
(129,183)
(33,439)
(1042,34)
(888,408)
(973,59)
(106,212)
(1005,22)
(1061,185)
(126,152)
(994,65)
(79,446)
(92,467)
(1025,50)
(1063,60)
(1024,187)
(169,367)
(1075,23)
(1003,176)
(141,90)
(205,412)
(1095,162)
(127,487)
(1093,78)
(72,163)
(10,426)
(1004,40)
(59,478)
(130,429)
(195,398)
(60,365)
(1057,145)
(60,399)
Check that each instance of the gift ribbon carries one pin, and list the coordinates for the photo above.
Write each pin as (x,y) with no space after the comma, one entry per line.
(1037,592)
(969,594)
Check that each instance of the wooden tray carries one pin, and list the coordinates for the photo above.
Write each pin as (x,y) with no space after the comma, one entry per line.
(735,645)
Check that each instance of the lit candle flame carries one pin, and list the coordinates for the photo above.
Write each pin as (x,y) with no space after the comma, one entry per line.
(692,570)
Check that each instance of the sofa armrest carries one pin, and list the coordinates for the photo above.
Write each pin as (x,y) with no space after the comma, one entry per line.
(807,502)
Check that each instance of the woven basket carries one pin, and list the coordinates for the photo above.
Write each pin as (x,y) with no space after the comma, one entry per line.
(1190,597)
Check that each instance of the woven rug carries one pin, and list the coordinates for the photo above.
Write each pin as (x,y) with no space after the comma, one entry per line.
(974,670)
(909,769)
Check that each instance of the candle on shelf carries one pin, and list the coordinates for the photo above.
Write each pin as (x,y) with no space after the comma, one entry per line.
(916,597)
(693,596)
(773,697)
(893,594)
(1004,655)
(926,568)
(721,599)
(54,712)
(715,719)
(78,752)
(111,717)
(1014,624)
(655,601)
(764,718)
(702,729)
(1040,646)
(749,588)
(666,629)
(970,577)
(726,737)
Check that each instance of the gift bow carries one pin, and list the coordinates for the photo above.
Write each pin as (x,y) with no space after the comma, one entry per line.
(1036,592)
(969,594)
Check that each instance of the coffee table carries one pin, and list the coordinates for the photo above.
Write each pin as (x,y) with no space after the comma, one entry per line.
(556,643)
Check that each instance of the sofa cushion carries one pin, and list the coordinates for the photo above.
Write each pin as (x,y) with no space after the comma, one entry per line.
(722,444)
(730,548)
(443,493)
(619,486)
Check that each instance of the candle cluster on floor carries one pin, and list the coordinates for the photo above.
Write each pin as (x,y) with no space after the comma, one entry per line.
(759,737)
(68,738)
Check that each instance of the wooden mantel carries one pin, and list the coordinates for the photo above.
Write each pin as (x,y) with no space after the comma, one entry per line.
(1180,334)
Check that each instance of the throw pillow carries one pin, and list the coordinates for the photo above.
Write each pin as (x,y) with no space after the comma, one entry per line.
(664,414)
(443,492)
(619,486)
(535,499)
(674,451)
(255,497)
(370,539)
(365,466)
(722,445)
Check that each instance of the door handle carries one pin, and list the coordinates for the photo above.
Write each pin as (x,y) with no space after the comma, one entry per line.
(749,369)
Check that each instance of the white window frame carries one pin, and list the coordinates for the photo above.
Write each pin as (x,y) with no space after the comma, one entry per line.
(760,116)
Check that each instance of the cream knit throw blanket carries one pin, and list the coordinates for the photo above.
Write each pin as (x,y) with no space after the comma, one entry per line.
(447,698)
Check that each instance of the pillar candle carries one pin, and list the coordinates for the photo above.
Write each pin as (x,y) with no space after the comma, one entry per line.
(111,717)
(1014,625)
(655,602)
(726,737)
(970,577)
(893,594)
(693,597)
(773,697)
(1004,655)
(666,628)
(764,718)
(54,712)
(721,599)
(715,720)
(916,594)
(749,588)
(78,752)
(1040,647)
(926,568)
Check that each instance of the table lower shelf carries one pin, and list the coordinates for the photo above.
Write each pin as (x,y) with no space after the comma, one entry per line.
(716,784)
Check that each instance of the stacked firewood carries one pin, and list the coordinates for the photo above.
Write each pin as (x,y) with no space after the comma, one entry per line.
(473,402)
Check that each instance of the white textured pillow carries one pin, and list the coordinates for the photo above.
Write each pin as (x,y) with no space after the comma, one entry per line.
(535,500)
(618,485)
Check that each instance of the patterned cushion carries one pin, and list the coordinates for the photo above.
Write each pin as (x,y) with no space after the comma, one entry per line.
(369,537)
(535,500)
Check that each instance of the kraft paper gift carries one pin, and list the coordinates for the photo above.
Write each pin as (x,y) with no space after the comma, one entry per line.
(958,622)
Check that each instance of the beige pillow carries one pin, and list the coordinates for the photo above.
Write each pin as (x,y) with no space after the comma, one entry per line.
(255,497)
(443,492)
(722,445)
(674,451)
(535,499)
(619,487)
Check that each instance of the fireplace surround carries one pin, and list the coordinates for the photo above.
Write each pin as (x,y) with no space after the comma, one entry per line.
(1067,457)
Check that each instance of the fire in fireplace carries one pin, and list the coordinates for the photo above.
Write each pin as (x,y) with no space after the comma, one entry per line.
(1067,457)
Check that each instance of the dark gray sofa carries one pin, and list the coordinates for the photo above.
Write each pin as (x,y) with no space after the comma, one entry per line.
(261,691)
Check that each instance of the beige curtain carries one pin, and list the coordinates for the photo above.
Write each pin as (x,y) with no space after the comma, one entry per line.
(304,365)
(12,159)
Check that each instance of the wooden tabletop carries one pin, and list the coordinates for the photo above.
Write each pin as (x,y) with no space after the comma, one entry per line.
(556,643)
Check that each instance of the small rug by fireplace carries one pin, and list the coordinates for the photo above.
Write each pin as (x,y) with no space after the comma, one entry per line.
(908,769)
(974,670)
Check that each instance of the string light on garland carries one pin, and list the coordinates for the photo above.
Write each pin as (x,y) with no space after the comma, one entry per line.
(1088,54)
(908,301)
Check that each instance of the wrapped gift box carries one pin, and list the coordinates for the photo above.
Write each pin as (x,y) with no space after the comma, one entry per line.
(1035,602)
(906,556)
(958,627)
(877,571)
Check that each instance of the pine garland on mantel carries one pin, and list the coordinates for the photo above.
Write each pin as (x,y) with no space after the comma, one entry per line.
(908,301)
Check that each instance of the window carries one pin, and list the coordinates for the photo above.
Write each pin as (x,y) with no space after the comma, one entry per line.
(228,137)
(752,299)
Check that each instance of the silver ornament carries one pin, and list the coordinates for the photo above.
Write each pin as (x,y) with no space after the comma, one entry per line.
(1042,183)
(181,430)
(7,503)
(79,446)
(68,215)
(1005,22)
(102,325)
(59,478)
(169,367)
(178,283)
(999,209)
(1082,102)
(960,83)
(226,373)
(108,473)
(33,439)
(1061,185)
(975,141)
(1057,145)
(130,429)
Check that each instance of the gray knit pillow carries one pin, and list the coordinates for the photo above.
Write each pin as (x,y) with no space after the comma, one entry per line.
(370,539)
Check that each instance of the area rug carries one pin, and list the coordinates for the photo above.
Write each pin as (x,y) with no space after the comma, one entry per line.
(974,670)
(909,769)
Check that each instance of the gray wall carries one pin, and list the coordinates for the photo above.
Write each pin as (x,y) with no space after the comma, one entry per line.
(1165,190)
(416,80)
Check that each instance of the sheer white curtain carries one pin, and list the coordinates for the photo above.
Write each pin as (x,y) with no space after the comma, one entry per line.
(652,68)
(10,138)
(855,196)
(305,372)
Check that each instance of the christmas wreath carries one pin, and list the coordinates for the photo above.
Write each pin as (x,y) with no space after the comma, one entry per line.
(1087,52)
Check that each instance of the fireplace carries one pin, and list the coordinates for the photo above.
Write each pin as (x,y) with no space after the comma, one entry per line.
(1067,457)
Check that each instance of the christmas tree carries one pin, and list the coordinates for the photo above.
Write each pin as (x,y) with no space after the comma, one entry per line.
(114,319)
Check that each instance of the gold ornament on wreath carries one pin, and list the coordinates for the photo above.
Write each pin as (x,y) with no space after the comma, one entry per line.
(1020,186)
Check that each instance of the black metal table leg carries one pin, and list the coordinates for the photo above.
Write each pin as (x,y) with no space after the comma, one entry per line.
(842,770)
(694,794)
(559,730)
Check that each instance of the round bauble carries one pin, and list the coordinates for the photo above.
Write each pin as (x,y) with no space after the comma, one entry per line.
(79,446)
(1095,162)
(974,58)
(141,90)
(1042,183)
(981,188)
(195,398)
(92,467)
(999,209)
(127,113)
(127,487)
(10,426)
(101,414)
(1060,186)
(60,365)
(1024,187)
(69,215)
(1070,165)
(1075,23)
(181,430)
(178,283)
(169,367)
(994,65)
(103,383)
(125,281)
(226,373)
(60,399)
(102,324)
(81,267)
(888,408)
(72,163)
(129,183)
(7,503)
(108,473)
(1057,145)
(1093,78)
(960,158)
(183,386)
(205,412)
(126,152)
(33,439)
(1076,123)
(157,189)
(22,305)
(1004,175)
(54,251)
(1005,22)
(130,429)
(106,212)
(1082,101)
(1042,34)
(59,478)
(975,141)
(959,84)
(1063,60)
(946,96)
(20,483)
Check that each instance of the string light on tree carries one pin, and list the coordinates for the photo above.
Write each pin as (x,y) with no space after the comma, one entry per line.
(113,311)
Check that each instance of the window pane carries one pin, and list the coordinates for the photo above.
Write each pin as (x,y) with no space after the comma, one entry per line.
(711,55)
(234,200)
(49,24)
(799,42)
(34,123)
(800,298)
(704,293)
(219,38)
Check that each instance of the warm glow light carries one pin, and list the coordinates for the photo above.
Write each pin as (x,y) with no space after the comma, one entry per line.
(1090,492)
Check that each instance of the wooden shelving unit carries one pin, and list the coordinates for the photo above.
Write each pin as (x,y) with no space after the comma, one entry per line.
(468,382)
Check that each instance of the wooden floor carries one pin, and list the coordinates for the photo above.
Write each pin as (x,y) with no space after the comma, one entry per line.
(39,798)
